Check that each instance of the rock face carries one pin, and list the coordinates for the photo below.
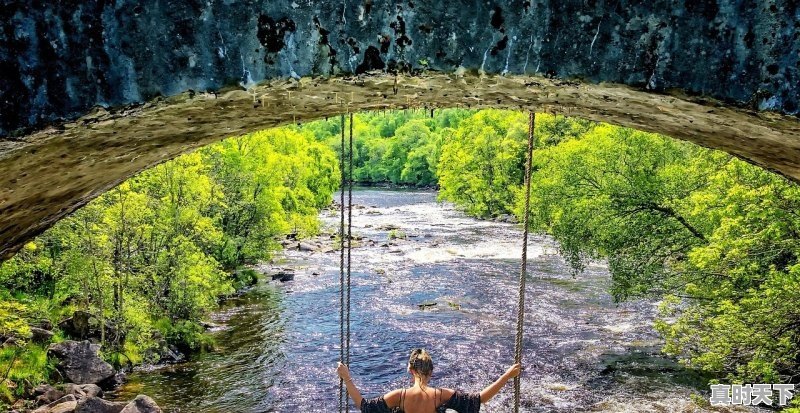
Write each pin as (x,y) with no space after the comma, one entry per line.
(142,404)
(80,363)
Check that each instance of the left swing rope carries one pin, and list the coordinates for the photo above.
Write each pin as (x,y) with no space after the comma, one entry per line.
(344,277)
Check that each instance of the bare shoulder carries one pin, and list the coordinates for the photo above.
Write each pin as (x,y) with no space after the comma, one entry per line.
(447,393)
(392,398)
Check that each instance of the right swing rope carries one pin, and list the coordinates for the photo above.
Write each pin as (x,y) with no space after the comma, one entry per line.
(524,268)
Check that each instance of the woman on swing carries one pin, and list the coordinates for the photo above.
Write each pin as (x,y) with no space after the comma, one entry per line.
(420,398)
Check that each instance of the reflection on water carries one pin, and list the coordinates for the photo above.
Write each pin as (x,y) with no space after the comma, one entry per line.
(279,346)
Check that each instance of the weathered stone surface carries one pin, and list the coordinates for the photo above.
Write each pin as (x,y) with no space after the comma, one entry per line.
(83,391)
(46,394)
(80,363)
(42,389)
(65,404)
(87,157)
(142,404)
(40,335)
(126,51)
(44,324)
(91,390)
(699,71)
(54,65)
(98,405)
(66,407)
(307,247)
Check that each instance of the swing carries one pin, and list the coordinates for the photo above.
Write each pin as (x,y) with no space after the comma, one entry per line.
(344,274)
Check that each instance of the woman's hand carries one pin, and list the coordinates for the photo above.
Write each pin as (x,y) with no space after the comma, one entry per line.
(343,371)
(491,390)
(513,371)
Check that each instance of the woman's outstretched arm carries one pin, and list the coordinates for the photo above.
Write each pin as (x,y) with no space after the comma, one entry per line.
(494,388)
(344,373)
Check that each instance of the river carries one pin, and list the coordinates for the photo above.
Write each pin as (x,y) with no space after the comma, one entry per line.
(279,342)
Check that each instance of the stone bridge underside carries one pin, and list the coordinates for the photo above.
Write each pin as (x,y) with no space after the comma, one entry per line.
(93,92)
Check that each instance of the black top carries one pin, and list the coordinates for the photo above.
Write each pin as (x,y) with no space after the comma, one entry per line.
(460,402)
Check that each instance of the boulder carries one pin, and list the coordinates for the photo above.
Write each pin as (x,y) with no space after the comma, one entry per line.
(98,405)
(307,247)
(283,276)
(83,391)
(65,404)
(171,355)
(506,218)
(142,404)
(44,324)
(80,363)
(92,390)
(46,394)
(11,342)
(42,389)
(66,407)
(40,335)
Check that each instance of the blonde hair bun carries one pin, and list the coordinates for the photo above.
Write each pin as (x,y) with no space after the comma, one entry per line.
(421,362)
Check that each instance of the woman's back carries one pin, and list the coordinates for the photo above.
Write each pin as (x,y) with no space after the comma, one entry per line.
(420,399)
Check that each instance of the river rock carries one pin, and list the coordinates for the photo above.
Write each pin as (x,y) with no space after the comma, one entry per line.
(45,394)
(83,391)
(10,342)
(40,335)
(507,218)
(171,355)
(80,363)
(142,404)
(42,389)
(65,404)
(98,405)
(307,247)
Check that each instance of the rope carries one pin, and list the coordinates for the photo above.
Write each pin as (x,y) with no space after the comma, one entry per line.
(349,238)
(342,391)
(344,282)
(524,270)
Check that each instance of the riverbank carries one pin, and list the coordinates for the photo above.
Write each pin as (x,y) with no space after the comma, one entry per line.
(74,372)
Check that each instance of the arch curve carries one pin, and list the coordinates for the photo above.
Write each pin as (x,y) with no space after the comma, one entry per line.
(166,77)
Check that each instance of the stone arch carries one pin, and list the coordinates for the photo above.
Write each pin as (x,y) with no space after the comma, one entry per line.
(94,92)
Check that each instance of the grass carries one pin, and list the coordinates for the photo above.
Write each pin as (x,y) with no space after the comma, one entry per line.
(22,368)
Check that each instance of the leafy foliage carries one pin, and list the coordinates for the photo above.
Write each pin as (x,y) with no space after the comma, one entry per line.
(151,257)
(714,235)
